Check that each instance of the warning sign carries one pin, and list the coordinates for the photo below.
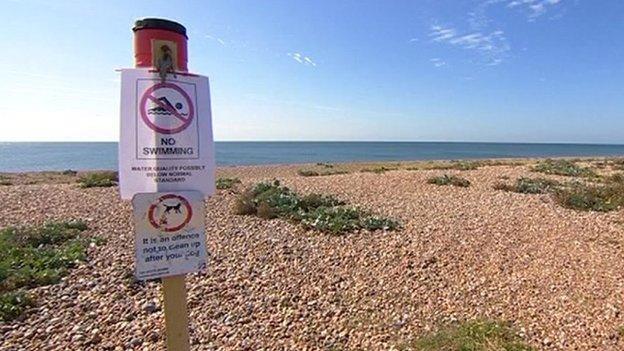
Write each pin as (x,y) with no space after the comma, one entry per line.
(160,114)
(170,213)
(170,234)
(166,139)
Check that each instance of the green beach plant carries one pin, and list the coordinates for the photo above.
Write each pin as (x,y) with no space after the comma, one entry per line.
(315,173)
(5,180)
(36,256)
(529,186)
(98,179)
(592,197)
(227,183)
(471,336)
(460,165)
(379,170)
(324,213)
(564,168)
(69,172)
(449,180)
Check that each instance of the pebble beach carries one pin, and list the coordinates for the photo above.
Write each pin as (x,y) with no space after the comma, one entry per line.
(555,274)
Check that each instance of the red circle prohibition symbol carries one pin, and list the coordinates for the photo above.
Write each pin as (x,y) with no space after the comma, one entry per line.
(154,222)
(149,95)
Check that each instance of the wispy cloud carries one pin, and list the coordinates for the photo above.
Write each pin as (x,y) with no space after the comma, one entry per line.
(217,39)
(478,18)
(438,62)
(535,8)
(481,34)
(439,33)
(302,59)
(491,46)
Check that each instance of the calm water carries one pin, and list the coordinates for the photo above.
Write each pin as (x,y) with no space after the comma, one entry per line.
(16,157)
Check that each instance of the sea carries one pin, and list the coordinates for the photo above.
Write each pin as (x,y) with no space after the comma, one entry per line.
(58,156)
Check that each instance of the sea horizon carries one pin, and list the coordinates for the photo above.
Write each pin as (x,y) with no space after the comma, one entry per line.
(57,156)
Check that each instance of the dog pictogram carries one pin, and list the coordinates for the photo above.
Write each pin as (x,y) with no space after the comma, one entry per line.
(170,213)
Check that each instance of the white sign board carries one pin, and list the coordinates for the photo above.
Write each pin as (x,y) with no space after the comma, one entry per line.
(170,233)
(166,139)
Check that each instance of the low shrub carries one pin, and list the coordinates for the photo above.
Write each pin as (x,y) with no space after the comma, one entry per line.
(244,204)
(36,256)
(314,173)
(378,170)
(449,180)
(458,165)
(312,201)
(308,173)
(98,179)
(529,186)
(471,336)
(5,180)
(342,219)
(564,168)
(227,183)
(13,304)
(324,213)
(602,198)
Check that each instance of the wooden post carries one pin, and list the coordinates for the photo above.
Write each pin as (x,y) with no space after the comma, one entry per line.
(176,315)
(147,33)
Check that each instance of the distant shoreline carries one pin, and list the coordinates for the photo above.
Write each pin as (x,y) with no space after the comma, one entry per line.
(29,157)
(350,165)
(341,142)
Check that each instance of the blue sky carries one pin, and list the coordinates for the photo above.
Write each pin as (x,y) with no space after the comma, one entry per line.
(443,70)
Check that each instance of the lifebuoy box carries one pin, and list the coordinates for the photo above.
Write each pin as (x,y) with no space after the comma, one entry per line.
(151,35)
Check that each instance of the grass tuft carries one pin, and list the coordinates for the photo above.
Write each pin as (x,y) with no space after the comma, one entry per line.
(449,180)
(529,186)
(227,183)
(564,168)
(98,179)
(36,256)
(472,336)
(314,211)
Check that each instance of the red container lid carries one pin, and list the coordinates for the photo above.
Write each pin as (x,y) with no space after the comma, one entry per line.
(159,23)
(150,34)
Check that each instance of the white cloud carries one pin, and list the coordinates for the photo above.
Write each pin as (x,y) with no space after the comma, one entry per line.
(217,39)
(302,59)
(438,62)
(492,46)
(535,8)
(439,33)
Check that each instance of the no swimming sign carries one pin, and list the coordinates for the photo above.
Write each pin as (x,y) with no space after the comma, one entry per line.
(166,139)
